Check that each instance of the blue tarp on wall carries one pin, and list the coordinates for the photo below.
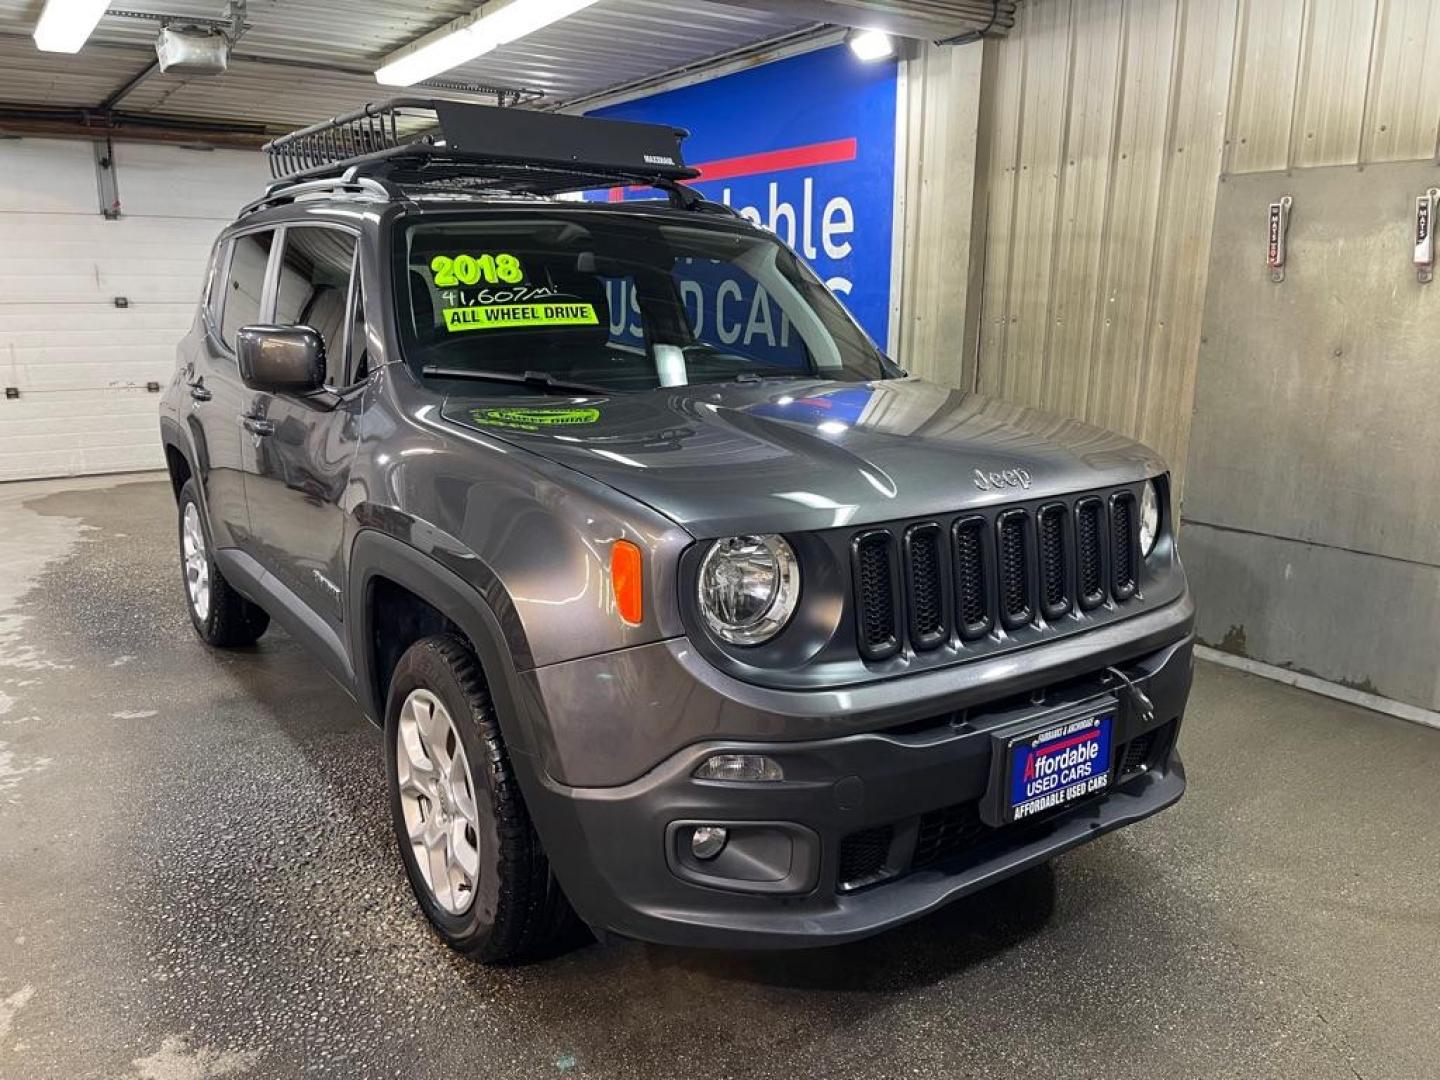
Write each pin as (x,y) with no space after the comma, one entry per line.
(805,147)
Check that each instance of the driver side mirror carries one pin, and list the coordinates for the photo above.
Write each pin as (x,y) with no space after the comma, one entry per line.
(281,359)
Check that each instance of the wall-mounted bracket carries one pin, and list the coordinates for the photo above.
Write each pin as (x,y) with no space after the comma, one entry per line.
(105,183)
(1425,235)
(1279,227)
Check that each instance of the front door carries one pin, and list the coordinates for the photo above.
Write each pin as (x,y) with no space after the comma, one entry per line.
(217,397)
(298,448)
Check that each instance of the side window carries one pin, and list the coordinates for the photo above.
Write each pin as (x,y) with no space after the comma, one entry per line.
(244,284)
(214,270)
(314,286)
(358,348)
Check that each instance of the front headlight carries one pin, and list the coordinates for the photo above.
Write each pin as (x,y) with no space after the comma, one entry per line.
(749,586)
(1149,518)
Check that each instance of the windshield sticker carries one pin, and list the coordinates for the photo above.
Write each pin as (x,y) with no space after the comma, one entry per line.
(500,268)
(533,419)
(519,316)
(520,294)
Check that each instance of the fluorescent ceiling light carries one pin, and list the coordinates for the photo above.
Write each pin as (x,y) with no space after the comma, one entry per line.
(453,48)
(470,36)
(871,45)
(65,25)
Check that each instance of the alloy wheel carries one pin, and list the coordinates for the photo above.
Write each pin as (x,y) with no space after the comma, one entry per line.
(197,562)
(437,797)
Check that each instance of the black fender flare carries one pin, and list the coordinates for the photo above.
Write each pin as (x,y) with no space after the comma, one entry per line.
(377,554)
(174,434)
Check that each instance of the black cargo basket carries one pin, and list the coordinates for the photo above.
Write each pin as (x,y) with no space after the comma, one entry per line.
(432,140)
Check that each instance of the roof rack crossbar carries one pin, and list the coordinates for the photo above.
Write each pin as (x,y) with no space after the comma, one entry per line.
(282,191)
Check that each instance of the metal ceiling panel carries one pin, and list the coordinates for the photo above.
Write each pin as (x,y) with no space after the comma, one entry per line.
(35,78)
(345,32)
(922,19)
(254,93)
(618,41)
(305,60)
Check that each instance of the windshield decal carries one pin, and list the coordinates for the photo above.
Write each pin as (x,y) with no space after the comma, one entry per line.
(519,316)
(533,419)
(500,268)
(520,294)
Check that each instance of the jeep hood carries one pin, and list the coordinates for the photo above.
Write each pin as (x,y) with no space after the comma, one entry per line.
(785,456)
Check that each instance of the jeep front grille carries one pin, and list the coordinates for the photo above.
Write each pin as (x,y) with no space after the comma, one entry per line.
(1016,569)
(876,592)
(925,578)
(972,597)
(1054,560)
(1125,543)
(1090,552)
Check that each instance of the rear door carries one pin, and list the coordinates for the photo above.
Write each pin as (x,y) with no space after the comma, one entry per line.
(298,449)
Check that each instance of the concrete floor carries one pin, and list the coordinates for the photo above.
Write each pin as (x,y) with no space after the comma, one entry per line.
(197,879)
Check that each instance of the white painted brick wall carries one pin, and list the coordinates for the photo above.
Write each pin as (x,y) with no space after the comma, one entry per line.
(81,363)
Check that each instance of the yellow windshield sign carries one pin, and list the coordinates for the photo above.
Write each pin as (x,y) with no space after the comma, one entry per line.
(519,316)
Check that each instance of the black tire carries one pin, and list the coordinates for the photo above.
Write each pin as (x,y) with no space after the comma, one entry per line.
(517,909)
(229,619)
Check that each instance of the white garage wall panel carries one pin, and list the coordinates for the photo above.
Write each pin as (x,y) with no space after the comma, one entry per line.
(81,364)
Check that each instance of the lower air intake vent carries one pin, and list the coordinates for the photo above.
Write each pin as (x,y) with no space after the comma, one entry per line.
(863,855)
(876,594)
(1137,753)
(948,832)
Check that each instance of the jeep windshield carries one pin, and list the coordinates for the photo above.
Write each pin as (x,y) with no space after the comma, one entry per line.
(526,302)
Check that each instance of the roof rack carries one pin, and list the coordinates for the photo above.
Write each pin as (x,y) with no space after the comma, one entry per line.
(423,141)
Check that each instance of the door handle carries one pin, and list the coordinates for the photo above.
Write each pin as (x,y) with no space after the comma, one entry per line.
(198,391)
(258,425)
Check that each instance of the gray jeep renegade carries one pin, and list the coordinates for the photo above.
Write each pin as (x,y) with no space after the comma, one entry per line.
(683,608)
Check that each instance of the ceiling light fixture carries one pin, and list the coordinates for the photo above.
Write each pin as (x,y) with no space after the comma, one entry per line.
(871,45)
(464,39)
(65,25)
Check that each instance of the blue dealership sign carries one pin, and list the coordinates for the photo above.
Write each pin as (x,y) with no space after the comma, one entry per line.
(806,148)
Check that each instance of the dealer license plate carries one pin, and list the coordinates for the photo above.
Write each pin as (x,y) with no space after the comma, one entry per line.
(1058,763)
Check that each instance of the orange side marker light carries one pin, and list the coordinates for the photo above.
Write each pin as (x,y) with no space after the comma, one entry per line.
(627,579)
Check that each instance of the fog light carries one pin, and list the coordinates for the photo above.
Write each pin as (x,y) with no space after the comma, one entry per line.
(707,841)
(740,767)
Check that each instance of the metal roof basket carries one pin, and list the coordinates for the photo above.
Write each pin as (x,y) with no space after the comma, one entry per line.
(420,141)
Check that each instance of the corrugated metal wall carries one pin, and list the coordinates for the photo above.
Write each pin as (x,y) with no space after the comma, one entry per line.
(1105,127)
(941,89)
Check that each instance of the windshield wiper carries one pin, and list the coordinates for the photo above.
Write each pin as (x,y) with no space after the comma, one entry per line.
(541,380)
(751,377)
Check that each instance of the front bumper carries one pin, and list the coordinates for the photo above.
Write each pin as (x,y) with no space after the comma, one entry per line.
(868,830)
